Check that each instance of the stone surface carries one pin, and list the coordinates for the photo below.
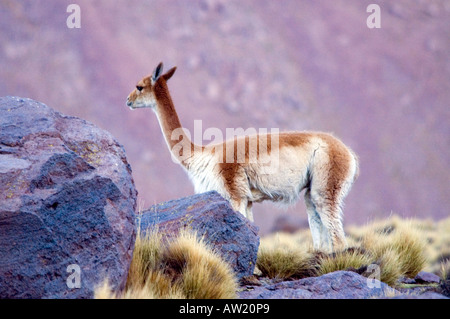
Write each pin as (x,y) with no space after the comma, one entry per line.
(444,288)
(427,277)
(211,216)
(67,202)
(335,285)
(425,295)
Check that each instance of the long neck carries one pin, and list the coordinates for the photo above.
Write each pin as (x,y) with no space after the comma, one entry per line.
(178,142)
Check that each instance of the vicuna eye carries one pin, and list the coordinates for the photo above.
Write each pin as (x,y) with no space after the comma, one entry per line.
(139,88)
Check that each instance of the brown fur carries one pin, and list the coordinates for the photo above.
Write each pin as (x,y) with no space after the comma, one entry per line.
(230,171)
(170,120)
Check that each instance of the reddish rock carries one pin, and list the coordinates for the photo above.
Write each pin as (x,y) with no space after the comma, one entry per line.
(210,216)
(67,201)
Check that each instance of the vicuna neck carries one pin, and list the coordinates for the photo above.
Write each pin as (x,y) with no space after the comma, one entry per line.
(176,139)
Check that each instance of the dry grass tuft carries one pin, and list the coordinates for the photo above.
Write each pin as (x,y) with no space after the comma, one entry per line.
(283,256)
(390,272)
(405,241)
(444,271)
(199,271)
(395,247)
(184,267)
(435,235)
(352,258)
(146,255)
(282,263)
(104,291)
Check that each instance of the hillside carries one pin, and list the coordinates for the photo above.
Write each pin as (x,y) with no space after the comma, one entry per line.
(292,65)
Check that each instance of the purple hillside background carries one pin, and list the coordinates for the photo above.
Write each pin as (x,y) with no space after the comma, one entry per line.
(292,65)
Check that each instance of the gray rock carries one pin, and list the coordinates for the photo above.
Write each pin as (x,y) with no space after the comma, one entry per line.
(427,277)
(335,285)
(406,280)
(67,202)
(444,288)
(232,235)
(425,295)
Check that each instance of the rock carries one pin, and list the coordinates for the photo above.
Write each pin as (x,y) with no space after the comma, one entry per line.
(444,288)
(335,285)
(406,280)
(232,235)
(426,277)
(67,202)
(425,295)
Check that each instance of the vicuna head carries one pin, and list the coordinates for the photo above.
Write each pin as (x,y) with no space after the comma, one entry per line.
(144,95)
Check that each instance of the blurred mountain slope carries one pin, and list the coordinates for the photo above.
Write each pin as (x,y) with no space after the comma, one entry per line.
(292,65)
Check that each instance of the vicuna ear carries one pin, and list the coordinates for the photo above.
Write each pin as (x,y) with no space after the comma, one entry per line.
(157,73)
(169,73)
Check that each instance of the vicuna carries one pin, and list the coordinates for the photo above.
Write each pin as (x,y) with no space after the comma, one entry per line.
(315,162)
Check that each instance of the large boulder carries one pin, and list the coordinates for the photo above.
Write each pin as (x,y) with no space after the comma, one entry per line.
(209,215)
(67,202)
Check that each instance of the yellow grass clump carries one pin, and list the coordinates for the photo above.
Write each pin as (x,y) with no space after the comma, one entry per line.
(347,259)
(185,267)
(444,270)
(404,241)
(283,263)
(395,247)
(200,272)
(146,257)
(390,272)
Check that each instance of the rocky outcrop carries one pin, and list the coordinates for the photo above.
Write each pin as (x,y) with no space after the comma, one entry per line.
(335,285)
(338,285)
(424,285)
(67,202)
(232,235)
(425,295)
(426,277)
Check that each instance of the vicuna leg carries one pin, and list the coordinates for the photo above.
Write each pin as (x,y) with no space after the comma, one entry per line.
(332,236)
(243,206)
(249,211)
(332,175)
(239,191)
(315,224)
